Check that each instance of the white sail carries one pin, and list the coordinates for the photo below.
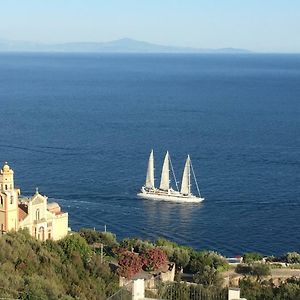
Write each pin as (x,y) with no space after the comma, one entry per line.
(186,178)
(165,176)
(150,172)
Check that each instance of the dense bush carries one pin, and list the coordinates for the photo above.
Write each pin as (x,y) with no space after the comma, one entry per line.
(106,238)
(292,258)
(180,255)
(129,264)
(252,257)
(74,244)
(259,270)
(66,269)
(154,259)
(266,290)
(136,245)
(207,258)
(209,276)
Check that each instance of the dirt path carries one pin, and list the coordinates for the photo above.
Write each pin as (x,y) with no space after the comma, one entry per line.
(276,275)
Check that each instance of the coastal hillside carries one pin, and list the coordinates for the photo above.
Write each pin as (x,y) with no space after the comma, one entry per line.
(78,267)
(65,270)
(125,45)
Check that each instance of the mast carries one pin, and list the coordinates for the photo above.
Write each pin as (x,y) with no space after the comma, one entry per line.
(198,190)
(165,176)
(150,172)
(176,183)
(186,178)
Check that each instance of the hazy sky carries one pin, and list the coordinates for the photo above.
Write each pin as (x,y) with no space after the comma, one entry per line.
(259,25)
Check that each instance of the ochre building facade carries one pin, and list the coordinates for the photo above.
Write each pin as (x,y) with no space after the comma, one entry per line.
(43,220)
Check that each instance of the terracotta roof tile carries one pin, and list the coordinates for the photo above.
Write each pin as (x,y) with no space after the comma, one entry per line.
(22,214)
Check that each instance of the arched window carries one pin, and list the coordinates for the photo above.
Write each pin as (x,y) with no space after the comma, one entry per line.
(11,199)
(37,214)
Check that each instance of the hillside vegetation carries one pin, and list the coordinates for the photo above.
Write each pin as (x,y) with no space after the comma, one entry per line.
(67,269)
(72,268)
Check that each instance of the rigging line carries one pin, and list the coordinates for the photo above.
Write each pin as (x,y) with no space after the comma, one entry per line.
(198,190)
(173,173)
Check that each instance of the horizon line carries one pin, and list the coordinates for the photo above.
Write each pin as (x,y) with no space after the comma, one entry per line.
(180,49)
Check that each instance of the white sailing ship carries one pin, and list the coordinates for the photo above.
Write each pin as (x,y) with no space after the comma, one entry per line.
(165,191)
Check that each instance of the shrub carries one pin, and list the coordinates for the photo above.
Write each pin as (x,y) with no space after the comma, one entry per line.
(75,243)
(258,270)
(154,259)
(292,258)
(31,269)
(91,236)
(129,264)
(208,276)
(136,245)
(181,258)
(167,243)
(207,258)
(252,257)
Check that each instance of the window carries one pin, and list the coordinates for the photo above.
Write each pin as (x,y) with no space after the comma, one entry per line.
(6,187)
(37,214)
(49,234)
(1,200)
(11,199)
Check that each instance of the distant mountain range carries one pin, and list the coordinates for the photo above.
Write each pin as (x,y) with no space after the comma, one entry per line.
(125,45)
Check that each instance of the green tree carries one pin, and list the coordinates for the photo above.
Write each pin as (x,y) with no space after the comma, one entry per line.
(106,238)
(208,276)
(180,257)
(252,257)
(260,270)
(207,258)
(75,243)
(288,291)
(254,290)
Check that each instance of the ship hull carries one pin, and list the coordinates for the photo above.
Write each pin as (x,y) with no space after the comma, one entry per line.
(173,197)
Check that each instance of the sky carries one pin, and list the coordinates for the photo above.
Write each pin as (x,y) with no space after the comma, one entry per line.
(257,25)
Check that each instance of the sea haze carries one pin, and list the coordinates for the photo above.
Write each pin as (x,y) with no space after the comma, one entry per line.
(81,127)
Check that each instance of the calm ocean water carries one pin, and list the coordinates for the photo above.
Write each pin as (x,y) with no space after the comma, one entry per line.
(80,127)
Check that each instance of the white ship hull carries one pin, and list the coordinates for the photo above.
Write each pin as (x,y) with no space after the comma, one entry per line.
(170,195)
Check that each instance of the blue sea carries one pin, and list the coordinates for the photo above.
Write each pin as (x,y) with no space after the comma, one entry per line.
(80,127)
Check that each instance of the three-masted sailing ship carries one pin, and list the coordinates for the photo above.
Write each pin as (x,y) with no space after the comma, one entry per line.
(165,191)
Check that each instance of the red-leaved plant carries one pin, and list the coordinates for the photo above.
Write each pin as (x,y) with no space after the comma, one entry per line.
(153,259)
(129,264)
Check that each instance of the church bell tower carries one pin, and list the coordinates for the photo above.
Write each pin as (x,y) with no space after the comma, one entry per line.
(8,200)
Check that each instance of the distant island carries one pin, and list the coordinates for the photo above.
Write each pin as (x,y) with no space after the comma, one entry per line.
(125,45)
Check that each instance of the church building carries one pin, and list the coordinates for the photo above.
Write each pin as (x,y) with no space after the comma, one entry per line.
(43,220)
